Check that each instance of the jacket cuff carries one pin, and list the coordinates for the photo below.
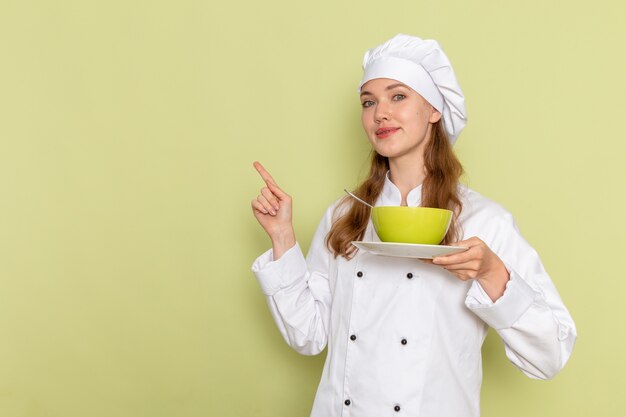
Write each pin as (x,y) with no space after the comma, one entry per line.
(517,298)
(275,275)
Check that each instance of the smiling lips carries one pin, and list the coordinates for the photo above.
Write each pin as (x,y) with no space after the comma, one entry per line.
(384,132)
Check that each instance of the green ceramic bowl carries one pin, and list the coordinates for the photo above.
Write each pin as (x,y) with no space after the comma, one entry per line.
(423,225)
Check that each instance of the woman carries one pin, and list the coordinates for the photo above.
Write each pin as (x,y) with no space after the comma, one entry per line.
(404,336)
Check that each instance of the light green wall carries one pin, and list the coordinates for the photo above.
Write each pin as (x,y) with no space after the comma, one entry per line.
(127,133)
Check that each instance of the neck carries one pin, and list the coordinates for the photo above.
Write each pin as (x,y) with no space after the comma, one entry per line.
(406,174)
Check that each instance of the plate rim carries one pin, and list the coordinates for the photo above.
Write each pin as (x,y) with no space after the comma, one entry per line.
(421,245)
(387,249)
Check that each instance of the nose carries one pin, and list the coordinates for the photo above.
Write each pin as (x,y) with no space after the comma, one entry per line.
(382,112)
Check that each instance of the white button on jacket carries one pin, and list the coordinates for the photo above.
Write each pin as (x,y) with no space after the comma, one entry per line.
(404,337)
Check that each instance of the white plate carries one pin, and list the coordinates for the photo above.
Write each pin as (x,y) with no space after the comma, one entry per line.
(408,250)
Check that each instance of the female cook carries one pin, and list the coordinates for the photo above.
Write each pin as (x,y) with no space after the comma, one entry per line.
(404,336)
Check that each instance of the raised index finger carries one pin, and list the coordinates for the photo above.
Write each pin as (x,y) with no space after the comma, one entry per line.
(264,174)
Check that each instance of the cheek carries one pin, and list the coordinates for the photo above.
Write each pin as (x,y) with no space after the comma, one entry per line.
(423,117)
(419,126)
(366,121)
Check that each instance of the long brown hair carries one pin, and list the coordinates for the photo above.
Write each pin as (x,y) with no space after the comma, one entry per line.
(440,189)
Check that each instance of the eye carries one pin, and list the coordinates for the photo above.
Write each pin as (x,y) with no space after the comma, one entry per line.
(367,103)
(399,97)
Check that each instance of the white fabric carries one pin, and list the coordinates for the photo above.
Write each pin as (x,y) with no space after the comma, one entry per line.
(410,73)
(423,66)
(320,301)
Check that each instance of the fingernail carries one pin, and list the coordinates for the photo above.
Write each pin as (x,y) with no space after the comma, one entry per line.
(273,213)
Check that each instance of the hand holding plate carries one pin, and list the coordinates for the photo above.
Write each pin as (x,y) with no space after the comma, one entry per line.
(480,263)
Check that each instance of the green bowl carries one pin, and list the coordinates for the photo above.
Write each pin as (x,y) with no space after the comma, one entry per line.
(423,225)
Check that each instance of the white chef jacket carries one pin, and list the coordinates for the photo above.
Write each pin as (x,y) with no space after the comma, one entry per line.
(404,337)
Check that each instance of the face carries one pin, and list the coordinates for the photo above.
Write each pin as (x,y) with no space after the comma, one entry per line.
(396,119)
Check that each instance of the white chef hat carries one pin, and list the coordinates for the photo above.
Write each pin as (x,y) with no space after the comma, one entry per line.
(422,65)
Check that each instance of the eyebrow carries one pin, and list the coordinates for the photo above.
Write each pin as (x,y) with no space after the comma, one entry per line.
(389,87)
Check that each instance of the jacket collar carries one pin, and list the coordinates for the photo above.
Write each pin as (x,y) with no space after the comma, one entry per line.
(390,196)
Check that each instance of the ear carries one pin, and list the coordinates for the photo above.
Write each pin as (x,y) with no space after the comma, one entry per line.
(434,115)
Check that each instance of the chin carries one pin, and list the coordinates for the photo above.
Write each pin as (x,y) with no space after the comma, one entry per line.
(388,153)
(385,154)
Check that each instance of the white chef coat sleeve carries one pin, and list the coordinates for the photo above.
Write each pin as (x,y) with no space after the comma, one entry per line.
(298,292)
(530,317)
